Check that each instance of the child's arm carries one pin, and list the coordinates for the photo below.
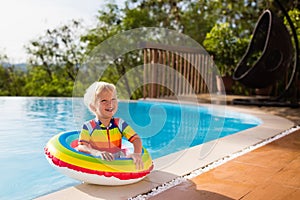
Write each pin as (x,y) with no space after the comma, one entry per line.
(137,155)
(94,152)
(137,144)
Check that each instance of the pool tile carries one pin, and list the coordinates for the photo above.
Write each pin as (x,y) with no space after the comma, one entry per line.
(241,139)
(159,177)
(264,133)
(89,191)
(199,156)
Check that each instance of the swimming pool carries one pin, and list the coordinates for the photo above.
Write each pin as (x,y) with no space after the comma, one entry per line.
(26,124)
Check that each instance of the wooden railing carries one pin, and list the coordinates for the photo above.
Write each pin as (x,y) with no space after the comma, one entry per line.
(172,70)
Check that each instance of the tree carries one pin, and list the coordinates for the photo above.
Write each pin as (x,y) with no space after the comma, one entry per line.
(38,83)
(109,20)
(110,24)
(4,90)
(225,46)
(295,17)
(12,79)
(58,48)
(55,59)
(224,27)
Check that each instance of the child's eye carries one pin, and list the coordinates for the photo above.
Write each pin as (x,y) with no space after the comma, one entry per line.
(106,102)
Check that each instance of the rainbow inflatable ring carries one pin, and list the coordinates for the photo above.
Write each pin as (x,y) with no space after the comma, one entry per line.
(62,155)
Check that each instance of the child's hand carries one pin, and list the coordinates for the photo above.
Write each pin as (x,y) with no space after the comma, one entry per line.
(137,159)
(104,155)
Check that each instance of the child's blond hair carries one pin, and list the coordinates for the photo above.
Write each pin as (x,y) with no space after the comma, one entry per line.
(93,90)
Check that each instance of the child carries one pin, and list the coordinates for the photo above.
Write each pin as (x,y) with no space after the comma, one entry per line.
(102,136)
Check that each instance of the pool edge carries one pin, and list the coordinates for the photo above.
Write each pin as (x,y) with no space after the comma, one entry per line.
(165,171)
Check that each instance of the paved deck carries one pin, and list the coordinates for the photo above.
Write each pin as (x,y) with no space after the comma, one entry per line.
(269,172)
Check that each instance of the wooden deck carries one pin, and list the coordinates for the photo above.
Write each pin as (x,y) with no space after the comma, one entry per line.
(269,172)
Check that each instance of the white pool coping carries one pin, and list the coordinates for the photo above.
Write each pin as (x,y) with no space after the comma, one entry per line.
(181,163)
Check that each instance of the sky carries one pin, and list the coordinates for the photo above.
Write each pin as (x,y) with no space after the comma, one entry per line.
(25,20)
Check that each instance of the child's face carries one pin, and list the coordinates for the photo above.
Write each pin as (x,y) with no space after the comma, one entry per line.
(106,104)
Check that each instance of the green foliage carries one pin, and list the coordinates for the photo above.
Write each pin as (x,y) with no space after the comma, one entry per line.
(136,18)
(12,81)
(4,81)
(58,49)
(225,46)
(109,20)
(38,83)
(223,27)
(54,61)
(295,18)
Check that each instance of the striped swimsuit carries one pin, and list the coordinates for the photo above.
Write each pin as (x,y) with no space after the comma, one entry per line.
(105,138)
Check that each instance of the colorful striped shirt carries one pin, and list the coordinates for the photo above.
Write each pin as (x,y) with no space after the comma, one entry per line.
(105,138)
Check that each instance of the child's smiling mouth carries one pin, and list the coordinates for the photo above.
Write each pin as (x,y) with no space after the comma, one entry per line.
(109,109)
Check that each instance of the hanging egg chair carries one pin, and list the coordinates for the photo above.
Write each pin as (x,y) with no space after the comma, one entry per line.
(269,53)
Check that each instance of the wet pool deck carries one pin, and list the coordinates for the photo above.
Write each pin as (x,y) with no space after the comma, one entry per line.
(269,172)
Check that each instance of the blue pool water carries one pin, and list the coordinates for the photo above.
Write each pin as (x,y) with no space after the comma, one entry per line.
(26,124)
